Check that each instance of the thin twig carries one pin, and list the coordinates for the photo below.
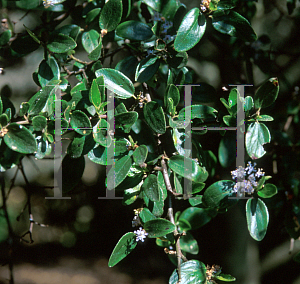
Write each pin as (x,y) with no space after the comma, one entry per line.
(166,178)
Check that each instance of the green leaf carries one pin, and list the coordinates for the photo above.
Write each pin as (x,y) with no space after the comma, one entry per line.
(111,15)
(80,122)
(159,227)
(155,117)
(59,43)
(191,30)
(233,24)
(227,149)
(146,215)
(119,172)
(48,70)
(128,66)
(150,188)
(1,106)
(117,82)
(197,111)
(248,103)
(24,45)
(100,133)
(96,53)
(75,148)
(257,218)
(155,5)
(267,93)
(39,123)
(5,37)
(124,247)
(267,191)
(91,15)
(131,195)
(225,277)
(95,95)
(218,191)
(32,35)
(134,30)
(173,93)
(177,59)
(192,271)
(140,154)
(147,68)
(19,139)
(3,120)
(256,136)
(43,147)
(90,40)
(196,173)
(69,30)
(125,120)
(194,217)
(98,155)
(28,5)
(162,186)
(189,244)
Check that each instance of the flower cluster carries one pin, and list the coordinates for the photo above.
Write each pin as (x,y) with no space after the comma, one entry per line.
(48,3)
(246,178)
(211,272)
(164,27)
(140,234)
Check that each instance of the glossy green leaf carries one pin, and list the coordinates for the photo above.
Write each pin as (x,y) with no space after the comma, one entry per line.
(96,53)
(100,133)
(34,37)
(128,66)
(191,30)
(111,15)
(150,188)
(134,30)
(39,123)
(248,105)
(119,172)
(75,148)
(169,8)
(5,37)
(28,5)
(80,122)
(256,136)
(126,119)
(267,191)
(195,218)
(154,4)
(217,192)
(227,149)
(19,139)
(95,96)
(233,24)
(117,82)
(131,195)
(98,155)
(147,68)
(257,218)
(140,154)
(146,215)
(173,93)
(92,15)
(159,227)
(196,173)
(59,43)
(155,117)
(267,93)
(3,120)
(162,186)
(90,40)
(225,277)
(192,271)
(226,4)
(177,59)
(48,70)
(69,30)
(43,147)
(189,244)
(124,247)
(197,111)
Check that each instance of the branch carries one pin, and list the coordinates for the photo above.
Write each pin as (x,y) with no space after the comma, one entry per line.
(166,178)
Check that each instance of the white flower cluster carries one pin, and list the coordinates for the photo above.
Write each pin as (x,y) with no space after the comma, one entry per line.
(246,178)
(140,234)
(48,3)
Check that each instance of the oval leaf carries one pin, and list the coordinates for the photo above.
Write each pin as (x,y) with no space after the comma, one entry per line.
(155,117)
(267,191)
(267,93)
(19,139)
(159,227)
(111,15)
(124,247)
(60,43)
(191,30)
(256,136)
(117,82)
(147,68)
(233,24)
(150,188)
(187,168)
(80,122)
(140,154)
(257,218)
(90,40)
(48,70)
(134,30)
(192,271)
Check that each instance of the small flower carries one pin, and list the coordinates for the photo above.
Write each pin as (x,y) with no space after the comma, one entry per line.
(239,173)
(48,3)
(150,51)
(157,16)
(136,221)
(250,168)
(140,234)
(259,173)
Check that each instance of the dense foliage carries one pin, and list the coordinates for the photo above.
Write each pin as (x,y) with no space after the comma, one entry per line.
(142,132)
